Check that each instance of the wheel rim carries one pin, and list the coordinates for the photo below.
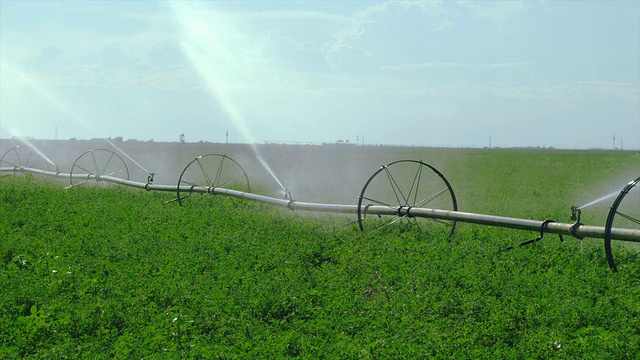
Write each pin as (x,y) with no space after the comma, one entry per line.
(623,214)
(407,184)
(96,163)
(20,157)
(212,171)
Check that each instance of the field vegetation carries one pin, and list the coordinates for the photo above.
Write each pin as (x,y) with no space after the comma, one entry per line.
(117,273)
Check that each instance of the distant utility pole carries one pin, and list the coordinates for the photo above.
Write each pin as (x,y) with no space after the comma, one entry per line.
(227,141)
(489,142)
(614,141)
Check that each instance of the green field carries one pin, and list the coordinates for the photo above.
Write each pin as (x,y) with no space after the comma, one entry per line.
(117,273)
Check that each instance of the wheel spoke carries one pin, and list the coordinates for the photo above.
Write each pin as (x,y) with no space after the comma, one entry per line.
(399,219)
(424,186)
(393,221)
(619,216)
(25,157)
(85,170)
(212,171)
(229,181)
(204,173)
(188,183)
(18,157)
(219,172)
(95,163)
(430,198)
(106,165)
(102,162)
(416,183)
(26,163)
(628,217)
(11,164)
(381,202)
(394,186)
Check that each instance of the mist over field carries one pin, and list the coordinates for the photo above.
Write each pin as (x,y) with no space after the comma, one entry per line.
(336,174)
(107,270)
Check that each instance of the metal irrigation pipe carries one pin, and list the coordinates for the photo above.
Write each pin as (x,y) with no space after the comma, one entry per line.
(577,229)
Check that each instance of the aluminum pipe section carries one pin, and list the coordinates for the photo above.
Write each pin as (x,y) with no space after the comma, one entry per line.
(576,230)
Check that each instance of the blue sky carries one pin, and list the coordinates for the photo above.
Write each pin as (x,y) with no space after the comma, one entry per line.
(436,73)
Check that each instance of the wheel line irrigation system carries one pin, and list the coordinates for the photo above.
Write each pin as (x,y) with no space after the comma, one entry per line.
(399,191)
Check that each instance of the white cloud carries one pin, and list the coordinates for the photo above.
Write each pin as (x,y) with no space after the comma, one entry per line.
(440,65)
(570,90)
(293,66)
(297,15)
(496,11)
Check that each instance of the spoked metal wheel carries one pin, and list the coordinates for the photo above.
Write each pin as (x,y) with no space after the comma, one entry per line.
(212,171)
(624,214)
(96,165)
(21,157)
(403,185)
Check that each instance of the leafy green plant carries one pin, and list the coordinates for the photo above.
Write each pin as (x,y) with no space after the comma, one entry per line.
(117,273)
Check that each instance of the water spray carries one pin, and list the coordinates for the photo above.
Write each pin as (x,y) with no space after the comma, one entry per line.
(401,192)
(20,157)
(598,200)
(214,64)
(129,157)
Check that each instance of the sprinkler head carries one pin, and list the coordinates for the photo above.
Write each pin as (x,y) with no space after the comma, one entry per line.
(575,213)
(575,216)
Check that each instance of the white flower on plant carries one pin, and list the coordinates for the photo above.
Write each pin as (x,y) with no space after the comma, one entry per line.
(54,271)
